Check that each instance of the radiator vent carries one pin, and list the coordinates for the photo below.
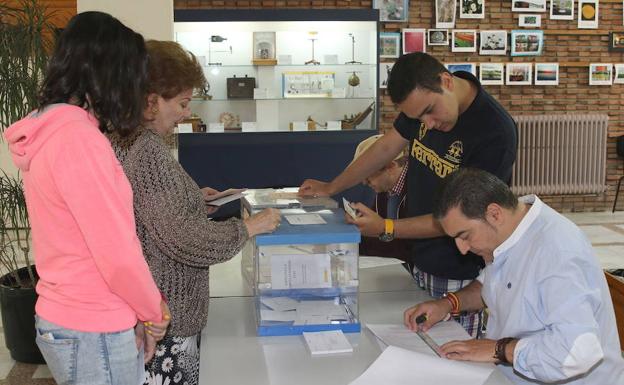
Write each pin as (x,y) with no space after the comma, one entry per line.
(560,154)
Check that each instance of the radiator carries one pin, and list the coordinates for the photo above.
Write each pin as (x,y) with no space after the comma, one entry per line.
(560,154)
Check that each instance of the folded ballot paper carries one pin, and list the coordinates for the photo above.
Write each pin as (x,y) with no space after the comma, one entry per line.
(408,359)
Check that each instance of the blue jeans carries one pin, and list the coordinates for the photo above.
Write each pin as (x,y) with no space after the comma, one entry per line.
(76,357)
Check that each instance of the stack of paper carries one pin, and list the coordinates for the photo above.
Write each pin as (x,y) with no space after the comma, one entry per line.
(327,342)
(398,366)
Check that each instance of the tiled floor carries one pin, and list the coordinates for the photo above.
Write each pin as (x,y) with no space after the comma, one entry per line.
(605,231)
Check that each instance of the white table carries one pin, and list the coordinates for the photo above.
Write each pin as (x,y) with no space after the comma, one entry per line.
(231,353)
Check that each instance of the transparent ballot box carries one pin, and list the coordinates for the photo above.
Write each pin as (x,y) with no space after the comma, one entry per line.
(306,275)
(255,200)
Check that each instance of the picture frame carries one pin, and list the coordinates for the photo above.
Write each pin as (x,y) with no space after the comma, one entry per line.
(492,73)
(527,42)
(445,12)
(438,36)
(384,74)
(618,78)
(493,42)
(616,41)
(530,20)
(600,74)
(392,10)
(546,74)
(528,5)
(308,84)
(588,14)
(389,44)
(471,9)
(414,40)
(468,67)
(264,48)
(562,9)
(518,73)
(464,40)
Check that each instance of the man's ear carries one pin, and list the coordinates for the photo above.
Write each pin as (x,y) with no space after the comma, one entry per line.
(494,214)
(446,81)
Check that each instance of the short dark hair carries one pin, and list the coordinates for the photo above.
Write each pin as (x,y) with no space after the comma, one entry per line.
(472,190)
(99,64)
(414,70)
(172,69)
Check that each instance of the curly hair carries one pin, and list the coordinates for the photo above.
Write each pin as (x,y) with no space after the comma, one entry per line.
(100,65)
(172,69)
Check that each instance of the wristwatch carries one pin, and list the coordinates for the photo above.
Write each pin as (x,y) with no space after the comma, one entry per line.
(388,234)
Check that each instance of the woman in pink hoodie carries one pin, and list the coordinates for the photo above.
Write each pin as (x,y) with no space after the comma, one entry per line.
(94,282)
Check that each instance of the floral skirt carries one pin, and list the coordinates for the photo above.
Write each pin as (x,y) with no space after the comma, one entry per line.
(176,361)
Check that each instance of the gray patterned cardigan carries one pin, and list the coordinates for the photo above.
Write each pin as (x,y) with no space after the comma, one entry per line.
(179,241)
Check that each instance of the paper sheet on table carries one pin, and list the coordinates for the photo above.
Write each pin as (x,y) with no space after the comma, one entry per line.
(230,191)
(305,219)
(225,199)
(398,366)
(327,342)
(367,262)
(399,335)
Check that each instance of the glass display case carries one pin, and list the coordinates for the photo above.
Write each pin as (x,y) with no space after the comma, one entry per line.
(284,70)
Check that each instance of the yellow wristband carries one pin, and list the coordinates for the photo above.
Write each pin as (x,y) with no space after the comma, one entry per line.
(389,226)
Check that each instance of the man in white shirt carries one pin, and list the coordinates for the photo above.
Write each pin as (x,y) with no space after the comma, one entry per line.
(551,316)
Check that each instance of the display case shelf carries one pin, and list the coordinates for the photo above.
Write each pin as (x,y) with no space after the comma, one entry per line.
(225,42)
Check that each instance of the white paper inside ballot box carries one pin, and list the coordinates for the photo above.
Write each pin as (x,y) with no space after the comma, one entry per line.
(308,271)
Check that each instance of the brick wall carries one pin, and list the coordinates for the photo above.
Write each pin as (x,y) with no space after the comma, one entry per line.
(574,49)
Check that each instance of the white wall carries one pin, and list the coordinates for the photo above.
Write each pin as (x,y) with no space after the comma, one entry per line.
(152,18)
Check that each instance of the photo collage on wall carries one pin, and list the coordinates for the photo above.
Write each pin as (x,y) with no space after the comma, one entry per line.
(528,41)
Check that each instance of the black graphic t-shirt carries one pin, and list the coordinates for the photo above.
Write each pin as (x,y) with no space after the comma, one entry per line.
(484,137)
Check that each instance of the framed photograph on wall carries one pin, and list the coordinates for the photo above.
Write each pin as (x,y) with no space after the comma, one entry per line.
(493,43)
(600,74)
(438,36)
(414,40)
(546,74)
(588,14)
(445,11)
(471,9)
(562,9)
(619,74)
(616,41)
(389,44)
(528,5)
(384,74)
(491,73)
(518,74)
(392,10)
(527,42)
(468,67)
(464,40)
(530,20)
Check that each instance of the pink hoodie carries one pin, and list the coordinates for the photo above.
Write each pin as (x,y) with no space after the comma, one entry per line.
(93,276)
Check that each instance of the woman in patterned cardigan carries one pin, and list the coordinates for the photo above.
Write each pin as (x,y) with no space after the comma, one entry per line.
(179,240)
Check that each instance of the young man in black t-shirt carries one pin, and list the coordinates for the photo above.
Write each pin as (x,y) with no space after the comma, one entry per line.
(449,121)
